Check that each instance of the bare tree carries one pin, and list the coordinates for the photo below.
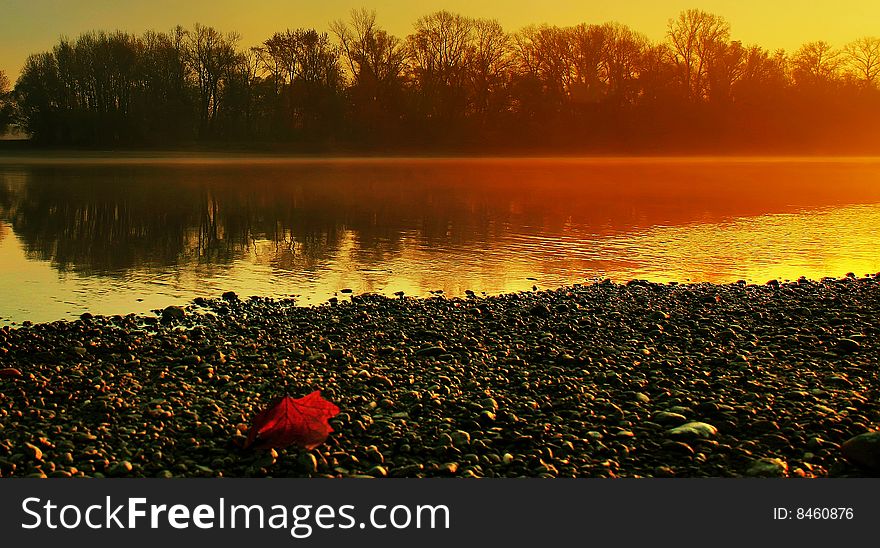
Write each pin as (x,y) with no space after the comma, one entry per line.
(726,66)
(623,58)
(210,55)
(489,61)
(762,74)
(816,63)
(863,56)
(544,53)
(438,53)
(5,103)
(587,50)
(375,58)
(304,67)
(695,37)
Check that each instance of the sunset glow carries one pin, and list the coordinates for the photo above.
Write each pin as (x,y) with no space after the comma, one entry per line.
(504,239)
(28,26)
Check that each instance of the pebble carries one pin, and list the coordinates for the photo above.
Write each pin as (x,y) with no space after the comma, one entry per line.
(847,346)
(863,451)
(693,430)
(172,313)
(678,447)
(122,468)
(460,438)
(665,417)
(768,468)
(33,452)
(308,462)
(378,472)
(431,351)
(586,381)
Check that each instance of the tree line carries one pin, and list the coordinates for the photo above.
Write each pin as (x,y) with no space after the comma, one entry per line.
(453,82)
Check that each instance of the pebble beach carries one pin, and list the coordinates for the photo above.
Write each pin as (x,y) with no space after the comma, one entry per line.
(595,380)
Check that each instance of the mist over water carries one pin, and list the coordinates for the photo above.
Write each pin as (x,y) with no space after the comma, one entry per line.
(119,235)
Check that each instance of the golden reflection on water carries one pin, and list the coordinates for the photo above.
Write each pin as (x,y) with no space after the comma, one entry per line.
(117,237)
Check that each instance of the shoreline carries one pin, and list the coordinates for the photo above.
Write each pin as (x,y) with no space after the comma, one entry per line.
(601,380)
(19,150)
(218,156)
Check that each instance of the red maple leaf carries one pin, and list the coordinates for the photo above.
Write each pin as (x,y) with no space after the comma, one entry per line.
(288,421)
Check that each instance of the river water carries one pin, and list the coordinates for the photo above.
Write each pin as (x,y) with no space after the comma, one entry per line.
(115,235)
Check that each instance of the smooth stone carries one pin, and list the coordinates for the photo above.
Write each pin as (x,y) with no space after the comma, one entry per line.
(449,468)
(308,462)
(460,438)
(863,450)
(768,468)
(121,468)
(664,472)
(693,430)
(847,345)
(173,313)
(33,452)
(408,470)
(431,351)
(541,310)
(666,417)
(678,447)
(378,472)
(490,404)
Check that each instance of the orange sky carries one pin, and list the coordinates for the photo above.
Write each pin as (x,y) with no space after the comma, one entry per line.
(28,26)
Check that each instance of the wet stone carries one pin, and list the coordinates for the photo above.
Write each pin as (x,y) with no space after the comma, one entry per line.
(172,313)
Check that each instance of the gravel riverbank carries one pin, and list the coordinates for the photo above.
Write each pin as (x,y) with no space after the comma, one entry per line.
(598,380)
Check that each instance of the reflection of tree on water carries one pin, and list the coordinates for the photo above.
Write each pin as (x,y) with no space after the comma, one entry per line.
(297,217)
(5,199)
(103,221)
(95,222)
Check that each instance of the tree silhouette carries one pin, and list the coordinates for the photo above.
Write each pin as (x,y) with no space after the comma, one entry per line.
(303,67)
(623,57)
(696,37)
(816,64)
(438,51)
(376,61)
(864,59)
(210,56)
(6,104)
(454,81)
